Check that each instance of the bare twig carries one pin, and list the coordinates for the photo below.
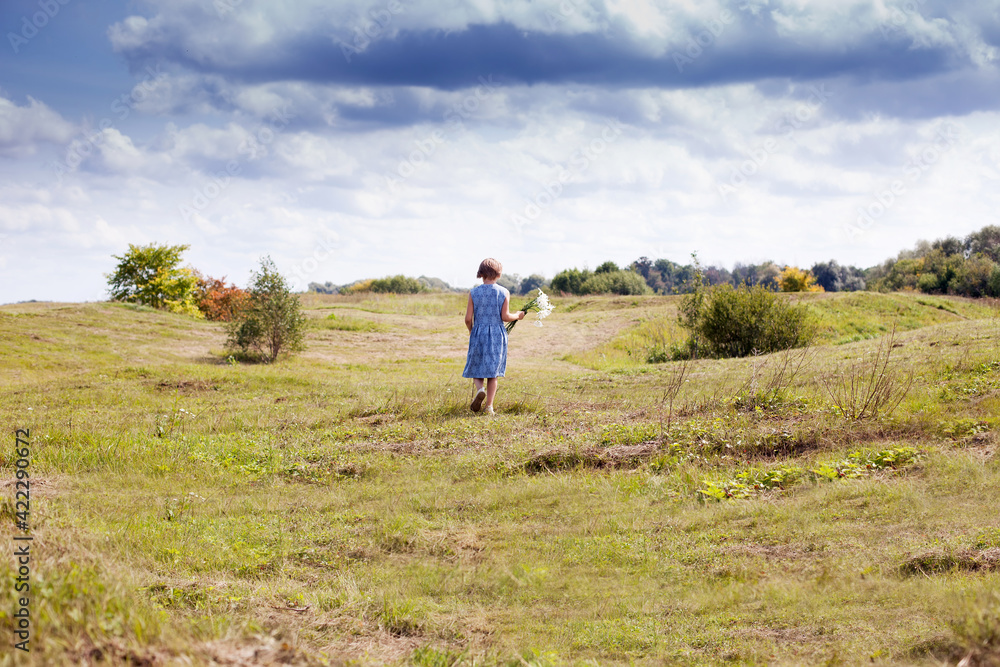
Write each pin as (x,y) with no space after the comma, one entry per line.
(872,387)
(770,376)
(671,389)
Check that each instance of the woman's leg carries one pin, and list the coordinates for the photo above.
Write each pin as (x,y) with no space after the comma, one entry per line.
(491,391)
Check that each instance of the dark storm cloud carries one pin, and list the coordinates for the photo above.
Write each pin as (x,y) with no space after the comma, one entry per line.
(951,94)
(453,60)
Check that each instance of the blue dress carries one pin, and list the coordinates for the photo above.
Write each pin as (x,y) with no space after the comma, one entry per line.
(488,341)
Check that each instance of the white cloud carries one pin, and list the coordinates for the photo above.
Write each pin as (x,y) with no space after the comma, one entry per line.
(22,128)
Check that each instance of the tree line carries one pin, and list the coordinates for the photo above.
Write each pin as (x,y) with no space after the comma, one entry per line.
(401,284)
(967,266)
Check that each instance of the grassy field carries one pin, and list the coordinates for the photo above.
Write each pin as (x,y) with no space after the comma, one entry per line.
(344,506)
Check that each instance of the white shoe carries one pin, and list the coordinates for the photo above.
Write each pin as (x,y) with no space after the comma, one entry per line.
(489,410)
(477,402)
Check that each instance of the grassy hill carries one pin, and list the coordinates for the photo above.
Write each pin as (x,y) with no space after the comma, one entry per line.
(344,505)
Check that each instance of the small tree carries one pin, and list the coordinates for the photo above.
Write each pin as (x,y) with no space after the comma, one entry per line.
(149,275)
(270,320)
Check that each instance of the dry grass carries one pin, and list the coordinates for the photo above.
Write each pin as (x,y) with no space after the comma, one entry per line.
(344,505)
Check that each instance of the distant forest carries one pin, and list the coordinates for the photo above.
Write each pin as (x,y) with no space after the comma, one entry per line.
(951,265)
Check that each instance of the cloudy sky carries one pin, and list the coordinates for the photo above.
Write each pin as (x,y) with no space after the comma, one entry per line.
(359,138)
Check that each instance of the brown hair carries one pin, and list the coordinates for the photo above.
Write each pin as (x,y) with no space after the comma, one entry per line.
(490,269)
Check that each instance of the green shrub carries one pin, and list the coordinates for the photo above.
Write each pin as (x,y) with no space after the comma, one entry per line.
(735,322)
(615,282)
(659,354)
(397,285)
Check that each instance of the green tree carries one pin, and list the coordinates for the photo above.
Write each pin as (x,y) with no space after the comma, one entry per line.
(607,267)
(985,241)
(271,320)
(533,282)
(902,274)
(570,281)
(436,284)
(615,282)
(511,281)
(993,287)
(150,275)
(972,277)
(943,270)
(833,277)
(643,266)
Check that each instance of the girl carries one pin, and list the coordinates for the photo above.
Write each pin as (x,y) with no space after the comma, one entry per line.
(488,309)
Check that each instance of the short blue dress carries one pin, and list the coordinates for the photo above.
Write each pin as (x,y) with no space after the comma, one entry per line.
(488,341)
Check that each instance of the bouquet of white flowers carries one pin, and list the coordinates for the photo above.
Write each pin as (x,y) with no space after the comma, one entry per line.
(539,304)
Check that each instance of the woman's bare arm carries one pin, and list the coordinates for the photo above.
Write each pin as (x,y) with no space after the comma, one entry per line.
(469,314)
(506,315)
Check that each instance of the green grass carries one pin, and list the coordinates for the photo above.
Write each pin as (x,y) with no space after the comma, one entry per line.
(840,318)
(346,323)
(344,505)
(850,317)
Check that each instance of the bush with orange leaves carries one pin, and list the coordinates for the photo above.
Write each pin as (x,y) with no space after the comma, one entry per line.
(216,300)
